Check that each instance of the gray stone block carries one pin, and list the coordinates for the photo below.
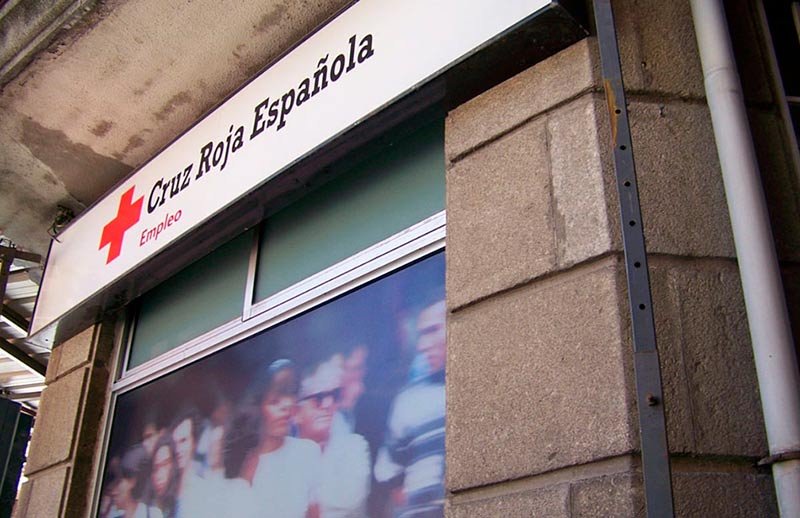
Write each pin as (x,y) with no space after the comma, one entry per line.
(88,446)
(529,93)
(76,351)
(680,186)
(52,365)
(711,390)
(729,495)
(500,229)
(46,494)
(609,496)
(584,193)
(56,427)
(538,379)
(550,502)
(696,494)
(23,497)
(658,47)
(677,397)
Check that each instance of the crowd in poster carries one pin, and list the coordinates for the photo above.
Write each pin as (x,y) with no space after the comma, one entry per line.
(339,412)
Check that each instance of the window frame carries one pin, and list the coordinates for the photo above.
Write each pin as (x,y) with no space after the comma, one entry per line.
(398,250)
(393,253)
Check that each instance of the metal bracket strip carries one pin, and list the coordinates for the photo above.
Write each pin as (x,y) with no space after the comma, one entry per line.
(649,396)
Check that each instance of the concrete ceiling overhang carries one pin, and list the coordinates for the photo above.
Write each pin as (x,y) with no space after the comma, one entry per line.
(89,91)
(110,83)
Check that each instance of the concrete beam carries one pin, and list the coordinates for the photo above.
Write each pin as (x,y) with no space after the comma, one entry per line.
(26,27)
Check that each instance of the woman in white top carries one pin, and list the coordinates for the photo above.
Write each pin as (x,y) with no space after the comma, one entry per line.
(281,468)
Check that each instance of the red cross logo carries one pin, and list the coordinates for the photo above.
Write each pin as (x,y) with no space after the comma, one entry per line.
(127,216)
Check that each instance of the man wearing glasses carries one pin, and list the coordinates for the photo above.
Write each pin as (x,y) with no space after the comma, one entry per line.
(344,473)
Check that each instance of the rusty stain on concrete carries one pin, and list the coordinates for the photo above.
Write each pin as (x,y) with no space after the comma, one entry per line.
(102,128)
(612,110)
(175,102)
(133,143)
(237,53)
(270,19)
(51,179)
(85,174)
(144,88)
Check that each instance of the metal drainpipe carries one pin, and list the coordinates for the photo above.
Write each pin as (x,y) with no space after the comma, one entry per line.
(770,332)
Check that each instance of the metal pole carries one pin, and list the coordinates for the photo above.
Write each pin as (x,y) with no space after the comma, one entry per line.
(770,332)
(647,370)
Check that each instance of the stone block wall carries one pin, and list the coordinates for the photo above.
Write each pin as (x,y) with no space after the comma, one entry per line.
(542,417)
(63,455)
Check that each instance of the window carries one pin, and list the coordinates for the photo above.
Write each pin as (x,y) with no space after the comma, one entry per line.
(320,386)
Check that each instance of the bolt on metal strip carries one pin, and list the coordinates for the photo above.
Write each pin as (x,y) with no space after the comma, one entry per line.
(649,394)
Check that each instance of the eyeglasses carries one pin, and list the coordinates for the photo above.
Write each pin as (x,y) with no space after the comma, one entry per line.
(319,397)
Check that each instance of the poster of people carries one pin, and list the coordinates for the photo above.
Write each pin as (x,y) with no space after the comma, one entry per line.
(339,412)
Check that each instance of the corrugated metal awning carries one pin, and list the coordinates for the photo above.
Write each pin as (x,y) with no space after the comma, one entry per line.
(22,364)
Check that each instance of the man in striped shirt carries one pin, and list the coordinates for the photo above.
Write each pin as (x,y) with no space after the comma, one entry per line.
(413,450)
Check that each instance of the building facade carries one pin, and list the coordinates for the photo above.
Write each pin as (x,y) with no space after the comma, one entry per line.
(541,401)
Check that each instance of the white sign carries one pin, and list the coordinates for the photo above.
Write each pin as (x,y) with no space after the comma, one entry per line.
(369,56)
